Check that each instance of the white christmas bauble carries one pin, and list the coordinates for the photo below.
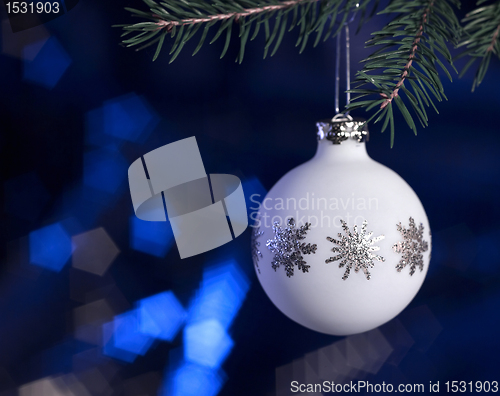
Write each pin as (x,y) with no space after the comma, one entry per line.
(341,243)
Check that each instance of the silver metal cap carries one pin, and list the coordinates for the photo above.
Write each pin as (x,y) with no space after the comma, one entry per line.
(341,128)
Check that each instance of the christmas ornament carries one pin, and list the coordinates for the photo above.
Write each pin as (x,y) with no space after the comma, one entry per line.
(341,244)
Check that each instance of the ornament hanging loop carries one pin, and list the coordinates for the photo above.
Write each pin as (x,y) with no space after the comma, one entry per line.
(342,117)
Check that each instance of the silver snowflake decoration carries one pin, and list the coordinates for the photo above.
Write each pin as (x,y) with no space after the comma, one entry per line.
(288,248)
(412,247)
(256,253)
(430,239)
(355,250)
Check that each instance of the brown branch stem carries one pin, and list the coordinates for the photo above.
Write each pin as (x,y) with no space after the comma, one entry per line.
(495,35)
(420,32)
(191,21)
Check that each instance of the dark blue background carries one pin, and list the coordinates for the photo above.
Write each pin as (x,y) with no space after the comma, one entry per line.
(254,120)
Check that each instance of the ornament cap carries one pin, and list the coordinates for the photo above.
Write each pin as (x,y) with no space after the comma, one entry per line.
(342,127)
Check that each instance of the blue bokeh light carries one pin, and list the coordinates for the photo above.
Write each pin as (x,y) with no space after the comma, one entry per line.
(127,334)
(221,294)
(161,316)
(152,237)
(105,169)
(129,117)
(109,348)
(49,65)
(191,379)
(207,343)
(50,247)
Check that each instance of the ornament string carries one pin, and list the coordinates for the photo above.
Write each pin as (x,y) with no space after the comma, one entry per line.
(347,66)
(337,75)
(348,72)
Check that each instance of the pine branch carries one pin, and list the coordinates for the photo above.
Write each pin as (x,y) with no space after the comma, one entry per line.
(482,31)
(407,61)
(181,19)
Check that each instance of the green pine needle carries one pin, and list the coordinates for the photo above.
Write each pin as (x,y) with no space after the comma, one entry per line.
(481,38)
(183,18)
(404,69)
(407,55)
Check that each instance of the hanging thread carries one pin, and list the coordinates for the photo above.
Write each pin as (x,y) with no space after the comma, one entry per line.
(347,66)
(348,72)
(337,75)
